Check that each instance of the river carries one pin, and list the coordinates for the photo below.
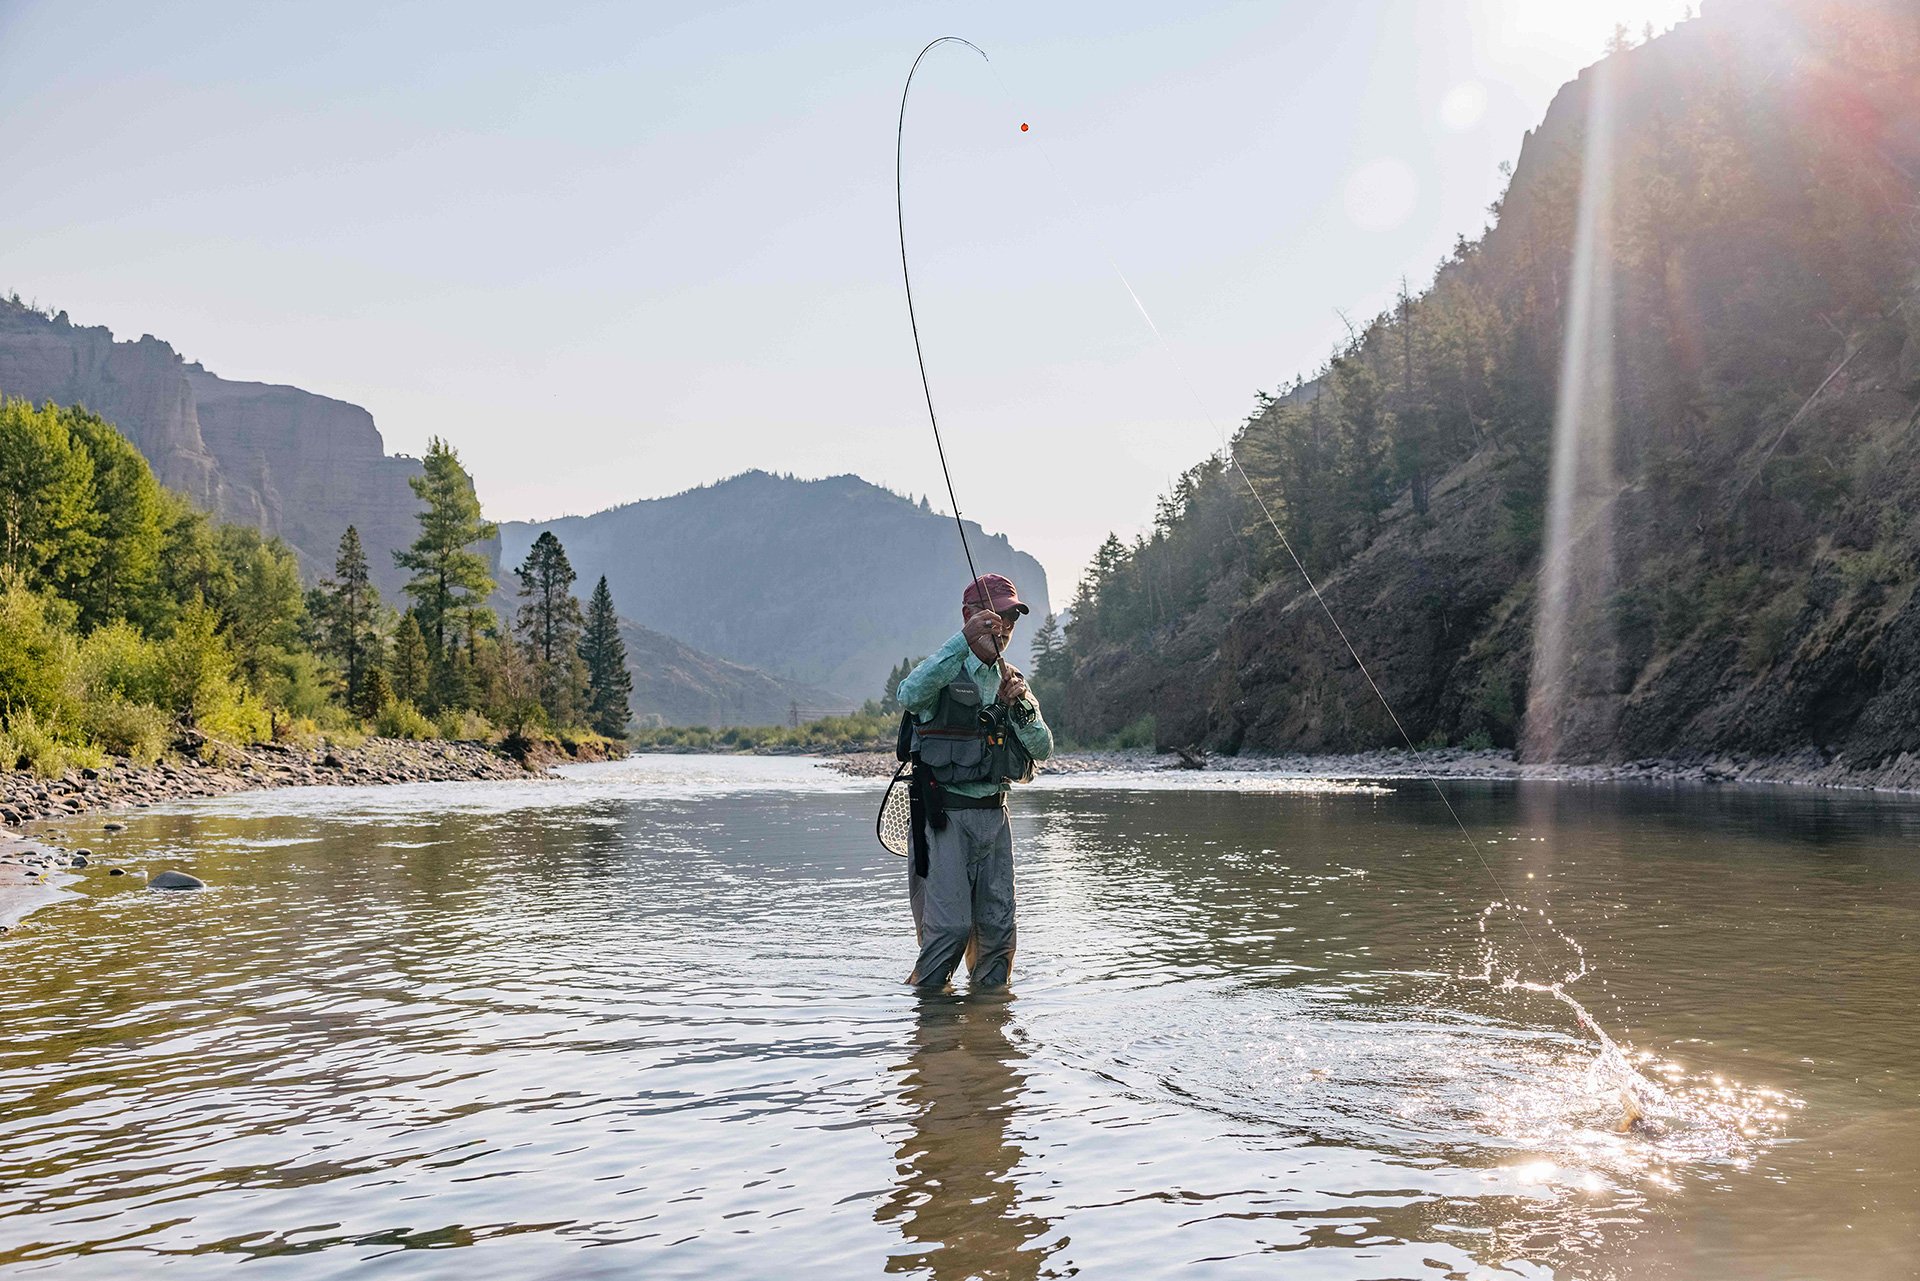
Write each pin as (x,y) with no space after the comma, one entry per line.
(647,1020)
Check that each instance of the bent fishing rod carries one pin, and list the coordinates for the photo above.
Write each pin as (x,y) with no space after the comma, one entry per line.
(913,322)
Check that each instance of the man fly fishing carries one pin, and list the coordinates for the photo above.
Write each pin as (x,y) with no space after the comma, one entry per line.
(973,728)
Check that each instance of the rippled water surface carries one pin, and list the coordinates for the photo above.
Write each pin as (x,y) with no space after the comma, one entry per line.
(647,1020)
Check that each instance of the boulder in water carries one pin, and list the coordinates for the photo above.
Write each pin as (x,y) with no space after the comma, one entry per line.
(175,881)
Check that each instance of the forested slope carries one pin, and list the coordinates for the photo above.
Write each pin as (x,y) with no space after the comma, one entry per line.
(1762,216)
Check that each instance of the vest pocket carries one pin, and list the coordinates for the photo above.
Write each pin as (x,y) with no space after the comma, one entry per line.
(959,755)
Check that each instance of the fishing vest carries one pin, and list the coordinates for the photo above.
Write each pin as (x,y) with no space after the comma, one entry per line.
(966,742)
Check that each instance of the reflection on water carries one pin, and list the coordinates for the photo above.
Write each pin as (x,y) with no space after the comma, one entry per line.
(957,1203)
(647,1021)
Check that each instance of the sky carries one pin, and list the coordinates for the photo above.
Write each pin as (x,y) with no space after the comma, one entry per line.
(614,251)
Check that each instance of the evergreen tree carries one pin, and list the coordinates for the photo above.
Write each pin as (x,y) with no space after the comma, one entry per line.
(374,693)
(265,613)
(408,670)
(889,704)
(549,625)
(351,603)
(1052,661)
(609,683)
(448,576)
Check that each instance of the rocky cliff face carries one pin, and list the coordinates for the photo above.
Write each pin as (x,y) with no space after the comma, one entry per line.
(305,467)
(283,460)
(140,387)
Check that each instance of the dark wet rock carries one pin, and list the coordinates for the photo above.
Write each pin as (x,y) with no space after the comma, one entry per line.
(116,871)
(175,881)
(114,827)
(80,859)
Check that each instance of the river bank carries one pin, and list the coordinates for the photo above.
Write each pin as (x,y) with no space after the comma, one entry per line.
(32,872)
(1810,768)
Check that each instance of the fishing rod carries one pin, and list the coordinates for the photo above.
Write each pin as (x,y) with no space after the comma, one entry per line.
(913,321)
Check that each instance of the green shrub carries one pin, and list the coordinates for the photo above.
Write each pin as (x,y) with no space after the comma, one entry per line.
(39,674)
(138,731)
(464,725)
(298,682)
(28,743)
(237,722)
(1139,734)
(402,720)
(117,662)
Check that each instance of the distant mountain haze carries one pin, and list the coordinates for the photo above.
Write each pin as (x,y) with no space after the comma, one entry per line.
(828,581)
(676,684)
(303,467)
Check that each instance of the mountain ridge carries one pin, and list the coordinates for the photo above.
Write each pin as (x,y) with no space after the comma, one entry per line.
(824,563)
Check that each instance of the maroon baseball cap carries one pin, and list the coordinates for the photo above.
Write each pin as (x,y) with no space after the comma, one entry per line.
(994,591)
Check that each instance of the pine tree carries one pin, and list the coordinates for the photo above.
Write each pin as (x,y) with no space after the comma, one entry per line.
(448,576)
(408,669)
(351,603)
(609,683)
(889,704)
(1052,661)
(549,625)
(374,693)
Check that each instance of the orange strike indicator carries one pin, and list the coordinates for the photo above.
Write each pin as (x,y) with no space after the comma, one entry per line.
(1023,128)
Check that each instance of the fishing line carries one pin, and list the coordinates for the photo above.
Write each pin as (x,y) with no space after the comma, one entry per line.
(1266,512)
(1556,988)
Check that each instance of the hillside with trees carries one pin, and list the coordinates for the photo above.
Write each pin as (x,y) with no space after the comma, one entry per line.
(133,624)
(1760,201)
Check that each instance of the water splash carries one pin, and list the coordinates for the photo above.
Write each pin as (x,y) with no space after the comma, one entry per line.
(1612,1070)
(1684,1116)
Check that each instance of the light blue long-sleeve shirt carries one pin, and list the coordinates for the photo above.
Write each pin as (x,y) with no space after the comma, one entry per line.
(919,693)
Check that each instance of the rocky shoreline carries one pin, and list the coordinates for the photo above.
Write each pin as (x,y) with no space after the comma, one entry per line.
(32,872)
(1810,768)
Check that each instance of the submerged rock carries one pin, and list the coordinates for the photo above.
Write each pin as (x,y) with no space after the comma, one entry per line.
(175,881)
